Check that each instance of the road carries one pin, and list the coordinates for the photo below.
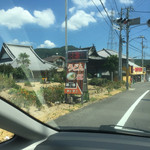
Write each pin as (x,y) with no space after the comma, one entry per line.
(130,108)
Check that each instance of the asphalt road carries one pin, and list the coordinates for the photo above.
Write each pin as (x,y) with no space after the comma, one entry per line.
(130,108)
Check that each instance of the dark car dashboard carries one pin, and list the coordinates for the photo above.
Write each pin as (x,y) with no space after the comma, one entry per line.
(93,141)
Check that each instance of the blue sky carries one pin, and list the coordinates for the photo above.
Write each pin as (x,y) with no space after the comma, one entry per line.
(40,23)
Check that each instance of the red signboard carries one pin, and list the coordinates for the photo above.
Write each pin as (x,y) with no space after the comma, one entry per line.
(75,90)
(75,77)
(138,69)
(78,55)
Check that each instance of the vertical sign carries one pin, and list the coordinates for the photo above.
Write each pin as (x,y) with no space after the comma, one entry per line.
(75,77)
(75,72)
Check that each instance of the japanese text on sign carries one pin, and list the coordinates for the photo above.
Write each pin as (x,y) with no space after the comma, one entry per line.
(75,67)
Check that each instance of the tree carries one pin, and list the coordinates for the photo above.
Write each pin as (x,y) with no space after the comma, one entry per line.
(23,59)
(19,73)
(6,69)
(111,64)
(24,62)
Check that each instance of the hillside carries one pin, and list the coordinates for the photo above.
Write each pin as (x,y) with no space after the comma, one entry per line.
(46,52)
(139,62)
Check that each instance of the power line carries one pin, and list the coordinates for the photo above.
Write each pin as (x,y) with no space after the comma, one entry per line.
(106,12)
(142,11)
(139,50)
(100,12)
(116,6)
(107,15)
(140,31)
(139,3)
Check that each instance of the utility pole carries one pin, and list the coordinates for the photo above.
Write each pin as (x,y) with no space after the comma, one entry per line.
(142,53)
(142,37)
(66,44)
(120,51)
(127,49)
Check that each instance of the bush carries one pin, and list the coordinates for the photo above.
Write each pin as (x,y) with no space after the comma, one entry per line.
(7,82)
(89,75)
(27,83)
(118,84)
(55,76)
(25,98)
(18,73)
(53,94)
(98,82)
(6,69)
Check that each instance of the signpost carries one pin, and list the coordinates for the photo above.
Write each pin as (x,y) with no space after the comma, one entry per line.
(76,80)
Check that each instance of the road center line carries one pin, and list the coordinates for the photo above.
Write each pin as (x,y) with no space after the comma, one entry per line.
(129,111)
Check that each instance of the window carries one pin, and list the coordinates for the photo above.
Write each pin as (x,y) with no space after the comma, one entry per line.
(90,85)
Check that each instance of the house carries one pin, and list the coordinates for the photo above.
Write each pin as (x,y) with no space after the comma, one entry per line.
(10,52)
(59,61)
(137,73)
(95,61)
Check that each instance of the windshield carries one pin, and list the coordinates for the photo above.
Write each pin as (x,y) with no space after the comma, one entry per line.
(78,64)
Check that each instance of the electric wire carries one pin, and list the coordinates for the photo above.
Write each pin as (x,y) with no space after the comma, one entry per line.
(138,11)
(116,6)
(100,12)
(108,15)
(140,31)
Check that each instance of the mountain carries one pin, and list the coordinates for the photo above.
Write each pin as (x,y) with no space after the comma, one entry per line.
(139,62)
(46,52)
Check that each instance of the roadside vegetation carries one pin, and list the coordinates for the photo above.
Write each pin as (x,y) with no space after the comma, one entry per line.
(48,101)
(51,94)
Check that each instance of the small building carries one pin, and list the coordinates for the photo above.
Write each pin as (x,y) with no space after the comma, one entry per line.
(10,52)
(59,61)
(135,72)
(95,62)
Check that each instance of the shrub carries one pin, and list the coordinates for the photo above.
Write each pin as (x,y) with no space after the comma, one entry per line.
(55,76)
(118,84)
(18,73)
(53,94)
(7,82)
(6,69)
(27,83)
(25,98)
(98,82)
(89,75)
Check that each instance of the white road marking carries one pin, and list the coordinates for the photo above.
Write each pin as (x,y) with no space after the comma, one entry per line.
(125,117)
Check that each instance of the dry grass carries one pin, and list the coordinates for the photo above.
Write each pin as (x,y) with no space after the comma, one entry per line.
(5,135)
(50,113)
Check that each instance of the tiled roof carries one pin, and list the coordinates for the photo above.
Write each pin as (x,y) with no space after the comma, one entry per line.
(54,58)
(36,63)
(105,53)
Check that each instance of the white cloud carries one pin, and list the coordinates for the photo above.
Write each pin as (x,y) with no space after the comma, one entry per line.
(47,44)
(44,18)
(18,16)
(87,3)
(126,1)
(79,19)
(72,9)
(16,41)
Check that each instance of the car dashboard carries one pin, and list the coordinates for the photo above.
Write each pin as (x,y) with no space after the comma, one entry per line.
(93,141)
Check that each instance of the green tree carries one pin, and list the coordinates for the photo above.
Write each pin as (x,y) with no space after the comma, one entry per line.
(24,62)
(6,69)
(23,59)
(18,73)
(111,64)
